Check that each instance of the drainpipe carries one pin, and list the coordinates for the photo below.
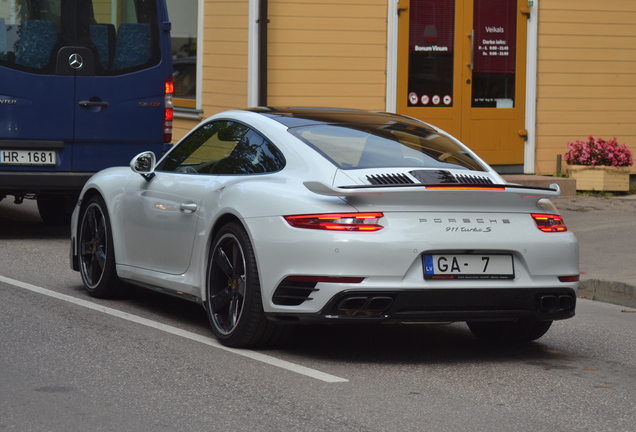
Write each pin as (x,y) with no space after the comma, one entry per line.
(262,52)
(391,55)
(531,88)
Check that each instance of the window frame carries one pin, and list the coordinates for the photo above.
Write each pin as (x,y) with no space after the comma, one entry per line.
(185,107)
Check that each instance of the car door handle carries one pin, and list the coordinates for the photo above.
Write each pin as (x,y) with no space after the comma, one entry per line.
(188,207)
(88,104)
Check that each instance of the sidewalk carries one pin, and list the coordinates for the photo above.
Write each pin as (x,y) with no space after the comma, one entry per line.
(606,230)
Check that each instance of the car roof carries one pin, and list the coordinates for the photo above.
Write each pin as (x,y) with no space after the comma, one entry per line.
(306,116)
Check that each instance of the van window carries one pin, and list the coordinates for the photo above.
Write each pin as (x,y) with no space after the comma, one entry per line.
(119,36)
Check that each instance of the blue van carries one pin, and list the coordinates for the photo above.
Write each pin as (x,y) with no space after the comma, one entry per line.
(84,85)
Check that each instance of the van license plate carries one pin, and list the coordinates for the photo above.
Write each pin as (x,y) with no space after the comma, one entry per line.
(468,266)
(28,157)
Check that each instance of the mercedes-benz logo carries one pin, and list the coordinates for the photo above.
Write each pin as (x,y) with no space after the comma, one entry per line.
(75,61)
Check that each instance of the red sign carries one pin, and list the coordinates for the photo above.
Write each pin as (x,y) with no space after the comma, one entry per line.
(432,25)
(495,36)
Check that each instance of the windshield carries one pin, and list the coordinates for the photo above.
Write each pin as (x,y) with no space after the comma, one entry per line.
(355,146)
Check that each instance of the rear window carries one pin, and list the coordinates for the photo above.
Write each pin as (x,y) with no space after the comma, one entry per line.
(357,146)
(118,36)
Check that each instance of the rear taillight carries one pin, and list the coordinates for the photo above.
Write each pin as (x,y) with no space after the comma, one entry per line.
(338,221)
(549,222)
(467,188)
(169,111)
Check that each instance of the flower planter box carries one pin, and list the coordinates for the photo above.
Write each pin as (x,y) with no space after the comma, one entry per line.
(600,178)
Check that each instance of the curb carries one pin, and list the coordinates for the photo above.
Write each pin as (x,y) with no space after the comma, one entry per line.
(609,292)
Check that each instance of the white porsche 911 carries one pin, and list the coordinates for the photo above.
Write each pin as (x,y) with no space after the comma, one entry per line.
(274,216)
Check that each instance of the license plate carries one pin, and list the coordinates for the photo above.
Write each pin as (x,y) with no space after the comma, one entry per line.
(28,157)
(468,266)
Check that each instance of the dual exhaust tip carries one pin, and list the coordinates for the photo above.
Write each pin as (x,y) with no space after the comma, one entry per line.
(364,305)
(552,303)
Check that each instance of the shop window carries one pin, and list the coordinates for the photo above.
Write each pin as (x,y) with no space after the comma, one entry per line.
(494,53)
(184,17)
(431,53)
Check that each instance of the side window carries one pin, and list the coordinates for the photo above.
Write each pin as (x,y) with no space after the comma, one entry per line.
(206,147)
(224,147)
(253,154)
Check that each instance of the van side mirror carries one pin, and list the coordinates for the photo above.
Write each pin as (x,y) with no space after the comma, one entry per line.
(144,164)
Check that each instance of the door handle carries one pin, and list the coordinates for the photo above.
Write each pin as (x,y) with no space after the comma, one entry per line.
(188,207)
(88,104)
(471,36)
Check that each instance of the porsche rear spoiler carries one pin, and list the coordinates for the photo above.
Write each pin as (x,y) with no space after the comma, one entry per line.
(501,196)
(356,190)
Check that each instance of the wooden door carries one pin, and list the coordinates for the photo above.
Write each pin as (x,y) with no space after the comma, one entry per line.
(461,67)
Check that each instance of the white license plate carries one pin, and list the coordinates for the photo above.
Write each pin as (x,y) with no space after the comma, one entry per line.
(468,266)
(28,157)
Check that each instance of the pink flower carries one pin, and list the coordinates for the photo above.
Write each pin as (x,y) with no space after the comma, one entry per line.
(598,152)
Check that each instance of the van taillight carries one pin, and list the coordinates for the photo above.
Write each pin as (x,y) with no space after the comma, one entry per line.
(168,112)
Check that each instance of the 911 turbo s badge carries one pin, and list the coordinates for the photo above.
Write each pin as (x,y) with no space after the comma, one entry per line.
(467,229)
(477,225)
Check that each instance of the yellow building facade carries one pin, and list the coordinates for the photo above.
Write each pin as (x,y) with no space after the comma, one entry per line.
(514,79)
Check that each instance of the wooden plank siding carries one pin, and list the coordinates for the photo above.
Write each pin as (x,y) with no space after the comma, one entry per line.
(327,53)
(225,37)
(224,60)
(586,82)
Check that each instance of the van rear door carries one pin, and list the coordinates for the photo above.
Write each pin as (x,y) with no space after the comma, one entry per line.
(120,90)
(36,106)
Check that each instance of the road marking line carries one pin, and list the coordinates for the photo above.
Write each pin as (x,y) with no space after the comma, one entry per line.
(263,358)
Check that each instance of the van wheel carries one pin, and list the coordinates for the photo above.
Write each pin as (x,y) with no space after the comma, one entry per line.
(56,209)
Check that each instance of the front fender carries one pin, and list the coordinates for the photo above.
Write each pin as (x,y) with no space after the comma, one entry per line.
(110,184)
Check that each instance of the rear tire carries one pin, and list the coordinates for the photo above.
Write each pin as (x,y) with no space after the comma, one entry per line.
(96,252)
(509,332)
(233,293)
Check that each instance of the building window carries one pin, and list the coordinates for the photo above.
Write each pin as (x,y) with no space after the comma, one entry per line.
(184,17)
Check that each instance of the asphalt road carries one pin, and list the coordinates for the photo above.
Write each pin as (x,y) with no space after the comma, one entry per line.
(148,362)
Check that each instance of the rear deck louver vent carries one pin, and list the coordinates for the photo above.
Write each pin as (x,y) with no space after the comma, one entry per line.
(473,179)
(390,179)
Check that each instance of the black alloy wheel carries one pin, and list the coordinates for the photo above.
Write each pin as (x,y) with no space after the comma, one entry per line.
(96,254)
(233,292)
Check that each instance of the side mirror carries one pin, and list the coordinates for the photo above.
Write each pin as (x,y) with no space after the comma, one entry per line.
(144,164)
